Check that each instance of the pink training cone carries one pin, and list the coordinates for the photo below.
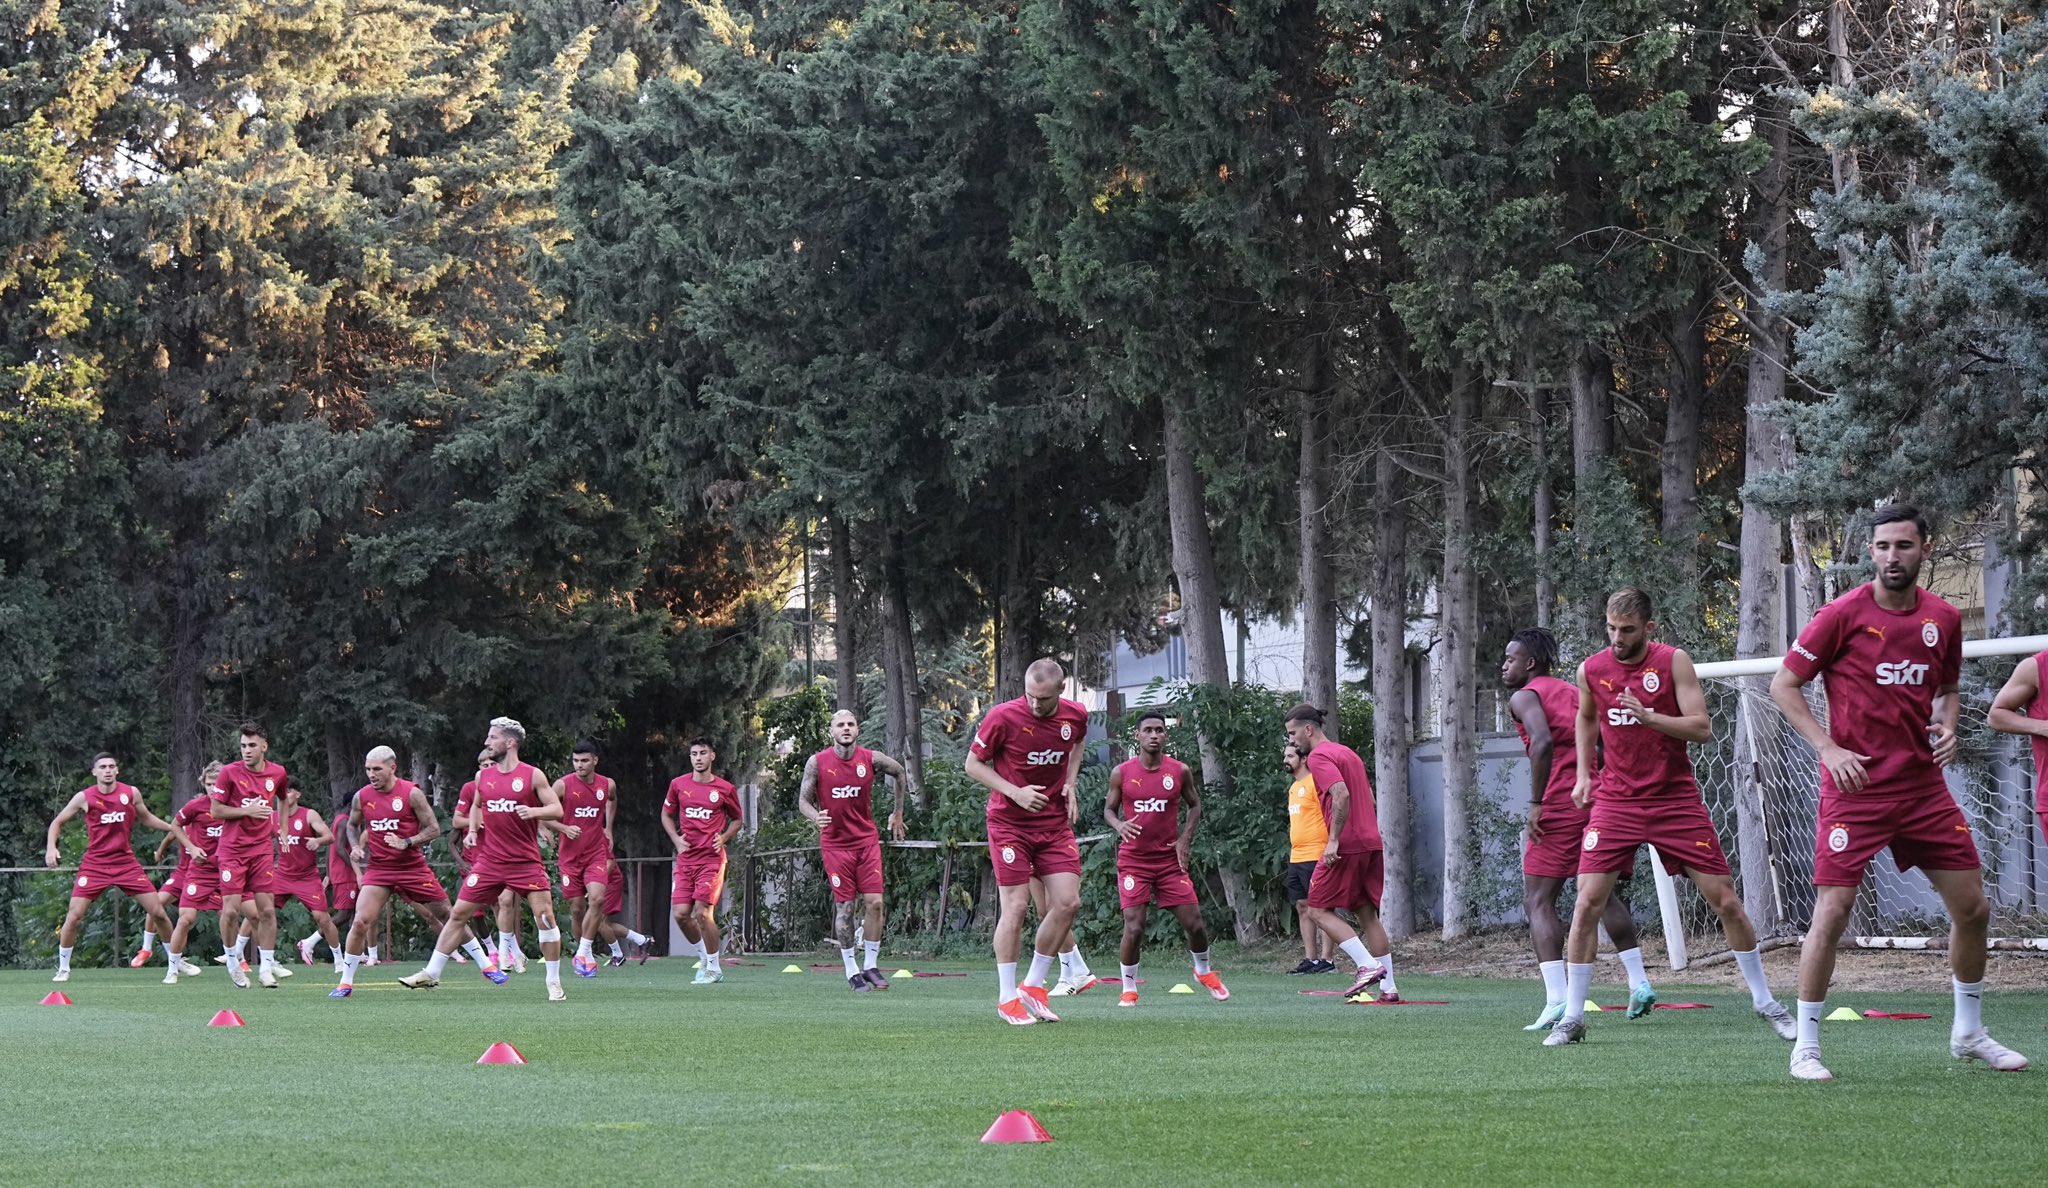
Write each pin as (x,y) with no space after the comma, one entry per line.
(1016,1126)
(55,998)
(225,1019)
(501,1054)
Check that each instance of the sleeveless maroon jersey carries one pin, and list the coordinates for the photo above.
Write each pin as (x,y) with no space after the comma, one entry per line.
(200,826)
(1560,701)
(295,851)
(846,791)
(2039,710)
(109,826)
(1151,799)
(583,804)
(1636,761)
(237,785)
(506,839)
(389,814)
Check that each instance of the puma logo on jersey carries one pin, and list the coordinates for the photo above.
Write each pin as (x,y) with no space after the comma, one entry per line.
(1619,716)
(113,818)
(1154,805)
(501,805)
(1902,672)
(587,813)
(697,814)
(1044,758)
(846,792)
(384,825)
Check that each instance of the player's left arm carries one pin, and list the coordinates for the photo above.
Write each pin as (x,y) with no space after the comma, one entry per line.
(723,837)
(322,835)
(172,829)
(901,774)
(72,808)
(1113,807)
(430,825)
(1073,785)
(611,812)
(550,804)
(1183,846)
(2009,708)
(1948,710)
(1691,723)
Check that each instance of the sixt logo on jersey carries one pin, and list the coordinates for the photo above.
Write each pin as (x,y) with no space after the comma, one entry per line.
(1902,672)
(255,801)
(696,813)
(587,813)
(1044,758)
(113,818)
(501,805)
(846,792)
(1154,805)
(1618,716)
(384,825)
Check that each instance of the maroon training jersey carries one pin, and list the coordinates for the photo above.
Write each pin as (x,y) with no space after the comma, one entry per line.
(237,785)
(295,857)
(110,826)
(701,810)
(2039,710)
(340,875)
(1332,764)
(1560,700)
(389,814)
(199,825)
(1151,799)
(506,839)
(1880,670)
(1026,749)
(583,804)
(846,792)
(1636,761)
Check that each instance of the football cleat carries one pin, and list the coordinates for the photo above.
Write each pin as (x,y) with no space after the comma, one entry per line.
(266,978)
(341,992)
(420,981)
(1307,966)
(1548,1019)
(1015,1013)
(220,958)
(1980,1046)
(1036,1002)
(1217,990)
(188,970)
(140,959)
(706,977)
(646,951)
(874,978)
(63,975)
(585,967)
(243,964)
(1368,977)
(858,983)
(1127,998)
(1067,987)
(494,974)
(1640,1000)
(171,978)
(1806,1065)
(1780,1019)
(556,993)
(282,971)
(616,960)
(1567,1031)
(305,952)
(518,962)
(238,975)
(1324,965)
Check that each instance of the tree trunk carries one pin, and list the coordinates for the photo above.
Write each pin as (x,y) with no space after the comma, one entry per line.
(1201,601)
(1592,381)
(1460,613)
(904,738)
(844,600)
(1544,498)
(1016,613)
(344,765)
(1318,575)
(1687,397)
(188,700)
(1390,687)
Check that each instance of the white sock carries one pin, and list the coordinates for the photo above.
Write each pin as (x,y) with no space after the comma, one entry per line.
(1578,982)
(266,958)
(372,954)
(176,959)
(240,946)
(63,959)
(1752,963)
(1632,961)
(1355,949)
(711,958)
(149,942)
(871,952)
(476,952)
(349,962)
(1201,960)
(1072,965)
(1130,973)
(583,947)
(554,971)
(636,937)
(1553,981)
(1041,963)
(1969,1008)
(437,963)
(852,963)
(1809,1026)
(1006,981)
(616,950)
(1386,963)
(507,943)
(309,940)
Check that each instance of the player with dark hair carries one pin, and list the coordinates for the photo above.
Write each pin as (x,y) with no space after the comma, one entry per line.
(195,884)
(1545,709)
(583,856)
(245,796)
(1352,871)
(1892,656)
(111,810)
(296,874)
(701,815)
(848,843)
(1307,834)
(1143,807)
(1640,703)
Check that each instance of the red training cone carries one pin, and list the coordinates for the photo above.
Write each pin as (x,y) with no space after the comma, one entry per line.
(225,1019)
(1016,1126)
(55,998)
(501,1054)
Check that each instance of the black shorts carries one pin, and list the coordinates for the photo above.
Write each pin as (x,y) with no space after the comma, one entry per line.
(1298,876)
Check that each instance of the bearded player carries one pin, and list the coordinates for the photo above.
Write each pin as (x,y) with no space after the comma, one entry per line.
(848,843)
(505,949)
(513,799)
(2022,708)
(1891,654)
(701,815)
(1143,807)
(1352,871)
(1640,703)
(583,854)
(111,810)
(1027,753)
(296,874)
(245,796)
(1546,711)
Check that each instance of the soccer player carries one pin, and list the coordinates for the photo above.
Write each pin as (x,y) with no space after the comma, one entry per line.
(611,927)
(245,796)
(296,874)
(513,799)
(111,809)
(1892,655)
(701,815)
(390,826)
(848,842)
(1352,870)
(505,949)
(1640,703)
(1143,807)
(1546,711)
(196,882)
(1027,753)
(2022,708)
(1307,834)
(584,852)
(344,886)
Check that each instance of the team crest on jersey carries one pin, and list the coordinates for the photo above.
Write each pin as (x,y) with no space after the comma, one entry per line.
(518,785)
(714,796)
(1929,633)
(1592,839)
(270,785)
(1166,782)
(191,888)
(397,802)
(300,826)
(1066,731)
(861,770)
(1130,884)
(470,881)
(1009,855)
(82,880)
(1652,682)
(123,796)
(600,793)
(1838,838)
(835,882)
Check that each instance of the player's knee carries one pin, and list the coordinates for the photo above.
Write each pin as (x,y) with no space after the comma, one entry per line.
(1973,912)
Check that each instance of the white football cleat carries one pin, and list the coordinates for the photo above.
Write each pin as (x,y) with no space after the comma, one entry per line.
(266,978)
(420,981)
(555,992)
(63,975)
(1979,1045)
(1780,1019)
(1806,1065)
(171,978)
(188,970)
(238,975)
(1567,1031)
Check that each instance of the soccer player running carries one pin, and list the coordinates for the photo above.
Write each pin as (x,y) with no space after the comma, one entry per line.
(1352,870)
(1640,703)
(1891,655)
(245,796)
(701,815)
(111,810)
(583,854)
(512,800)
(195,884)
(848,842)
(505,948)
(296,874)
(1027,752)
(1546,711)
(2021,708)
(1307,834)
(390,825)
(1143,806)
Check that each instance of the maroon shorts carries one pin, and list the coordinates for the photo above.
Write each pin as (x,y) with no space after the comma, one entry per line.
(1677,825)
(1140,881)
(308,891)
(245,874)
(698,879)
(1929,832)
(853,871)
(615,891)
(344,896)
(201,890)
(94,881)
(1556,854)
(1021,856)
(578,875)
(486,882)
(1348,880)
(414,884)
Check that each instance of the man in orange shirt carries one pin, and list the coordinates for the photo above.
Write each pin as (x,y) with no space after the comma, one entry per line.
(1307,834)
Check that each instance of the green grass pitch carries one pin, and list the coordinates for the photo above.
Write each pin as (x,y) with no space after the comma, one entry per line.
(775,1078)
